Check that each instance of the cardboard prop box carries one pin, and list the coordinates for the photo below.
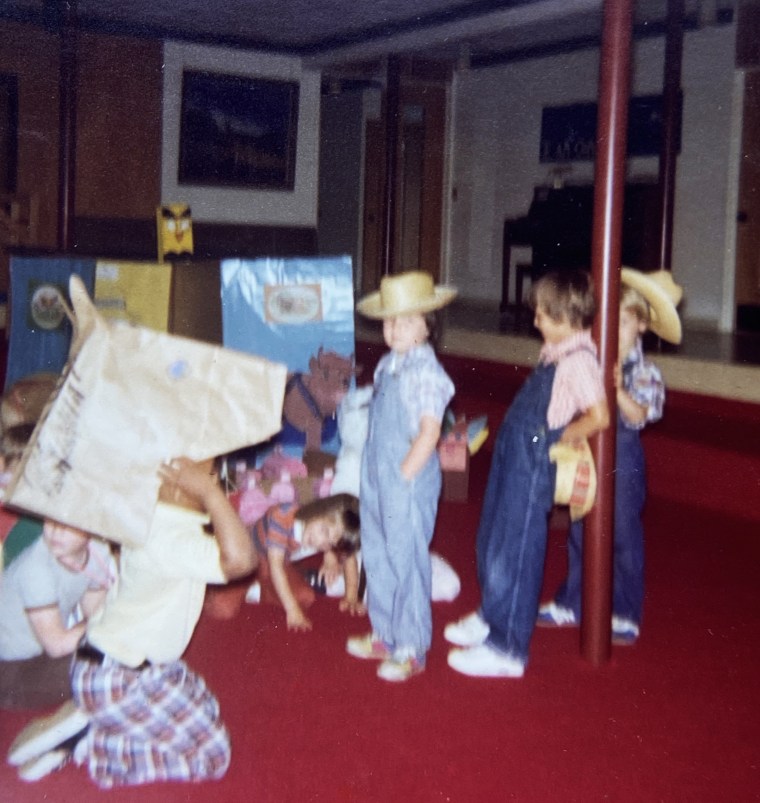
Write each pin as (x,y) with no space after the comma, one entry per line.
(460,440)
(129,399)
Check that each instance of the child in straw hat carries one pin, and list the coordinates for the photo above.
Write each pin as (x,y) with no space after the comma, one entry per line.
(648,301)
(401,475)
(562,400)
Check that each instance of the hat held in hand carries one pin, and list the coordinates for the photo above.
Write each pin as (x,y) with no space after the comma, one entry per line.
(406,293)
(576,477)
(663,296)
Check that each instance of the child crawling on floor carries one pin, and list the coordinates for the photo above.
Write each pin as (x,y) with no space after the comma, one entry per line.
(286,534)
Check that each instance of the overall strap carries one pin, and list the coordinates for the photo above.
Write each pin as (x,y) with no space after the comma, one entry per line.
(296,382)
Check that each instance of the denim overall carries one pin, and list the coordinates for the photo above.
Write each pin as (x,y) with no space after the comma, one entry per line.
(511,543)
(628,561)
(397,521)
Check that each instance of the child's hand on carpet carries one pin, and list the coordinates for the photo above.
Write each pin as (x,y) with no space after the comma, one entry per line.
(297,620)
(353,606)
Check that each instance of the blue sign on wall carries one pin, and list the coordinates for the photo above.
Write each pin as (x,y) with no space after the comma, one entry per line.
(568,133)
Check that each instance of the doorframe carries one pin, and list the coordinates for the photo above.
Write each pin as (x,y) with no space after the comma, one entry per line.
(413,76)
(727,321)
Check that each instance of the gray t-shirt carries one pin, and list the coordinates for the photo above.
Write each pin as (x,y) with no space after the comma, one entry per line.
(35,579)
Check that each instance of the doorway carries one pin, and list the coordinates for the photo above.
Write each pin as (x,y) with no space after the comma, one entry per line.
(748,217)
(419,185)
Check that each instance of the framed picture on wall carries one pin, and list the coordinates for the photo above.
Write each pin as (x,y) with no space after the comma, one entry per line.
(8,131)
(238,131)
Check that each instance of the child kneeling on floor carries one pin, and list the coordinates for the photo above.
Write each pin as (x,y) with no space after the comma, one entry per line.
(287,533)
(150,717)
(562,400)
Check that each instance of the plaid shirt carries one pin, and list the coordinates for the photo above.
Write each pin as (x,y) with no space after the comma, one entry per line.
(642,381)
(426,388)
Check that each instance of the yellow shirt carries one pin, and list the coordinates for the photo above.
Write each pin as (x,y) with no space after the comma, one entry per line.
(152,610)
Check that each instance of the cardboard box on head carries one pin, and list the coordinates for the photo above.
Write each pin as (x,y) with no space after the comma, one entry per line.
(131,398)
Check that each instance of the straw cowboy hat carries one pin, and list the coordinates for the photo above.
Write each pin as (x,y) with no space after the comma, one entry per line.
(663,296)
(576,477)
(405,294)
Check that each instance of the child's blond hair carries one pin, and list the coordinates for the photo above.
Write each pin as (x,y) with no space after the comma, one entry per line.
(566,294)
(632,301)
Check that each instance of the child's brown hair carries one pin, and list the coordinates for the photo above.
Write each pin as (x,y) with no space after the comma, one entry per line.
(13,442)
(340,508)
(434,325)
(567,293)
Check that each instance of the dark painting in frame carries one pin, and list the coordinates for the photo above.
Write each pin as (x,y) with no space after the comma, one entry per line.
(238,131)
(568,133)
(8,132)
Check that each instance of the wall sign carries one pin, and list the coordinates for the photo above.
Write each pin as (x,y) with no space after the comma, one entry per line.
(568,133)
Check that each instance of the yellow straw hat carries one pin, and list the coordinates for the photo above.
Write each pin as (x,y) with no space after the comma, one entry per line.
(576,477)
(405,294)
(663,296)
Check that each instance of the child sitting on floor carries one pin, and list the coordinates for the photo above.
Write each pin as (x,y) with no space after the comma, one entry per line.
(287,533)
(562,400)
(62,573)
(647,301)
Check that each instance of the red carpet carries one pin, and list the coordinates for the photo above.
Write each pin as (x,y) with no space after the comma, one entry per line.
(674,718)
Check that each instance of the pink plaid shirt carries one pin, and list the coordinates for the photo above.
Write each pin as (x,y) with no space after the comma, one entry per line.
(578,381)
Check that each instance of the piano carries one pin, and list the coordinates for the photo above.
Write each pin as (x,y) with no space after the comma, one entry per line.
(558,226)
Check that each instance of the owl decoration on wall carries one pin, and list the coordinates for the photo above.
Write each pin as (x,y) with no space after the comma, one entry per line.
(175,231)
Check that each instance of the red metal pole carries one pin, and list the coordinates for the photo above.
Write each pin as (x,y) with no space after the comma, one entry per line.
(612,122)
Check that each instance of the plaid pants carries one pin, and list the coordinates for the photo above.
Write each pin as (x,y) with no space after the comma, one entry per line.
(160,723)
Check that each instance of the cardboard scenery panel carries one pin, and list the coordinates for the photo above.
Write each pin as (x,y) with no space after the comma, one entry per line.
(299,312)
(40,329)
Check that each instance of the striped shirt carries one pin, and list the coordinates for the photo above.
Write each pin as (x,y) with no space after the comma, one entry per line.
(279,529)
(425,388)
(578,383)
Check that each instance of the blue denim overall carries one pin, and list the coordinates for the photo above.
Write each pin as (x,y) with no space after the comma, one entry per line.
(628,560)
(511,542)
(397,521)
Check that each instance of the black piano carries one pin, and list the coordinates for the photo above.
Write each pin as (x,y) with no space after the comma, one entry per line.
(558,229)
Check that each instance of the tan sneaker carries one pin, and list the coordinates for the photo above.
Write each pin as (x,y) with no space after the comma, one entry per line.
(368,648)
(397,671)
(43,765)
(43,734)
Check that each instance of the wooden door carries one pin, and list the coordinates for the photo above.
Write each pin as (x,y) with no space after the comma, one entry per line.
(748,218)
(419,185)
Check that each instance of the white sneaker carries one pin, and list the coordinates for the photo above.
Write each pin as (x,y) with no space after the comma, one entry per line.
(485,662)
(253,595)
(624,631)
(43,765)
(43,734)
(552,615)
(469,631)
